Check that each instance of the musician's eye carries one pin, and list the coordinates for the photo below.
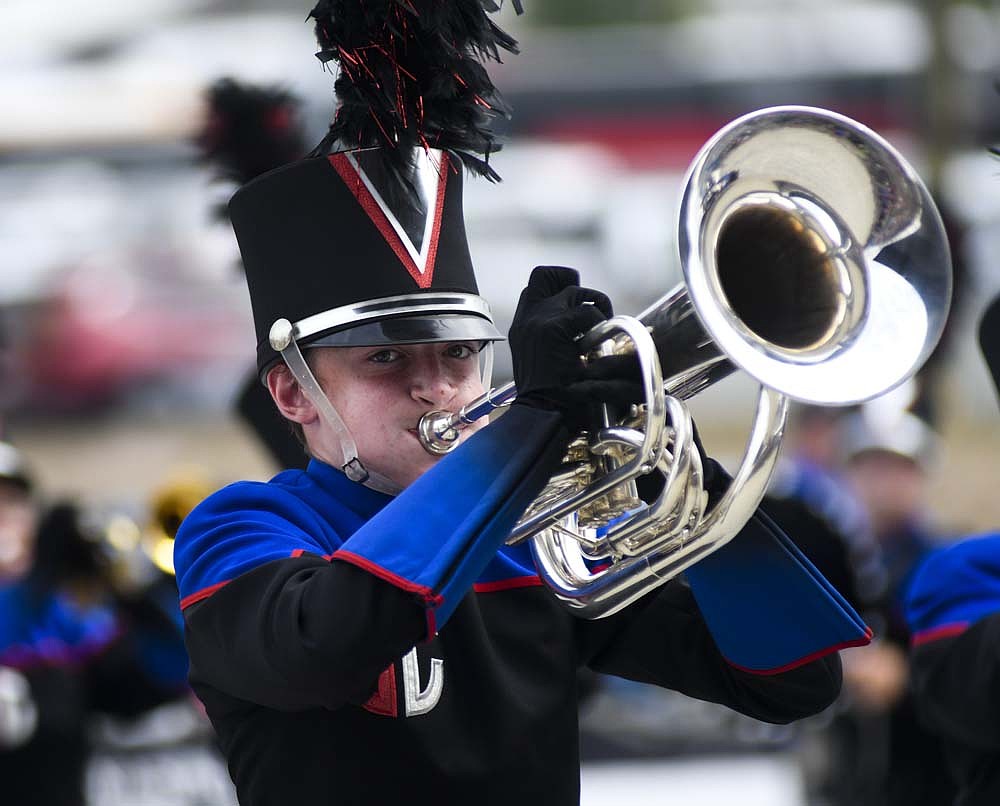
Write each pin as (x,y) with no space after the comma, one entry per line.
(385,356)
(461,350)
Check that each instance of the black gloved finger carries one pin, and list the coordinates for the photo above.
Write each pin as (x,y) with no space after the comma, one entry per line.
(558,281)
(614,392)
(716,478)
(578,320)
(547,281)
(697,441)
(532,306)
(579,295)
(580,402)
(614,367)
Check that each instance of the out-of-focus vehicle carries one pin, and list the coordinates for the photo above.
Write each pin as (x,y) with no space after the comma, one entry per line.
(106,331)
(116,284)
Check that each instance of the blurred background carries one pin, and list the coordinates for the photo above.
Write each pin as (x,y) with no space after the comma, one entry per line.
(125,328)
(124,311)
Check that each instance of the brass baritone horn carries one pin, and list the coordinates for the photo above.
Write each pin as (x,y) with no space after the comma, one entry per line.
(814,260)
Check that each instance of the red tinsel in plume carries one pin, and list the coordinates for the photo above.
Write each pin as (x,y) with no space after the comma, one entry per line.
(411,75)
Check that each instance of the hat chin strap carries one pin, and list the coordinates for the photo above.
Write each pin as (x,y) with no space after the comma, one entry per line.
(351,464)
(486,365)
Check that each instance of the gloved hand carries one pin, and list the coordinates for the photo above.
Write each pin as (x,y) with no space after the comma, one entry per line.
(552,313)
(715,478)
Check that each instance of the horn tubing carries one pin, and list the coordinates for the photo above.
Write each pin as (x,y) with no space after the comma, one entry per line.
(823,273)
(439,430)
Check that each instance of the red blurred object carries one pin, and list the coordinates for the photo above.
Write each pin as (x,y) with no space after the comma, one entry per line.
(671,139)
(105,331)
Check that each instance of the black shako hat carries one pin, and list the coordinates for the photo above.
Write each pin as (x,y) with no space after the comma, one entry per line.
(352,254)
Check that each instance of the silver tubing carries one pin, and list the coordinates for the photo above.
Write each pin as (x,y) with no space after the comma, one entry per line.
(439,431)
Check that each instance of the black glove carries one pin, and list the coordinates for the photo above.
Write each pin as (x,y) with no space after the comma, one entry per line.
(552,313)
(715,478)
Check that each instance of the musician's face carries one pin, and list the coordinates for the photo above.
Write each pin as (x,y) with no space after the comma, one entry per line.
(382,392)
(893,489)
(17,532)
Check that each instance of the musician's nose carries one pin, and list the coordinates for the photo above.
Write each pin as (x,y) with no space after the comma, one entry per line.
(431,381)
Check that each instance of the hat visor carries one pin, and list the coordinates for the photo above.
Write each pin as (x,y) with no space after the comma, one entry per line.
(419,329)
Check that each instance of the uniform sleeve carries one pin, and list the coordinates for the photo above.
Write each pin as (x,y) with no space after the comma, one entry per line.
(299,633)
(305,629)
(662,639)
(956,684)
(769,609)
(440,533)
(268,618)
(953,613)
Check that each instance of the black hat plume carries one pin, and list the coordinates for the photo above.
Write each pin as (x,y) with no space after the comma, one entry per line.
(411,75)
(248,131)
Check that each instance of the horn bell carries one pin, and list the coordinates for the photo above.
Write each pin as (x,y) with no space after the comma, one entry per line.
(813,255)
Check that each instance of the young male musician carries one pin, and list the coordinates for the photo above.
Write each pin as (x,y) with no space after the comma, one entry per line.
(358,631)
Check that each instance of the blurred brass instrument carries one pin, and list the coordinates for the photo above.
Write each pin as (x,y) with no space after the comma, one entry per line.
(169,506)
(814,260)
(135,546)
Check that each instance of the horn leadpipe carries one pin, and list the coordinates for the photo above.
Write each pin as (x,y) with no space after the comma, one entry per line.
(439,430)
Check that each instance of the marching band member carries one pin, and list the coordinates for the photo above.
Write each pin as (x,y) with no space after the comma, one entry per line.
(358,631)
(69,648)
(953,608)
(953,613)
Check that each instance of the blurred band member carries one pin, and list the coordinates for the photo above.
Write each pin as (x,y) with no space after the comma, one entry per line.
(65,650)
(890,458)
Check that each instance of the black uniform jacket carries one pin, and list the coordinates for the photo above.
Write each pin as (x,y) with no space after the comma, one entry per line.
(350,650)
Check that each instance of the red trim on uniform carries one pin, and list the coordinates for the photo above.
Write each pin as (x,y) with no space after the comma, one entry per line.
(431,600)
(298,552)
(384,573)
(432,626)
(867,639)
(508,584)
(204,593)
(937,633)
(356,185)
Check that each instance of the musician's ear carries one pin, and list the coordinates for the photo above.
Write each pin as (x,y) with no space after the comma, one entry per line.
(289,397)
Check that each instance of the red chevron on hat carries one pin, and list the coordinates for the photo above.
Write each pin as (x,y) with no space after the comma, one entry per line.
(415,245)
